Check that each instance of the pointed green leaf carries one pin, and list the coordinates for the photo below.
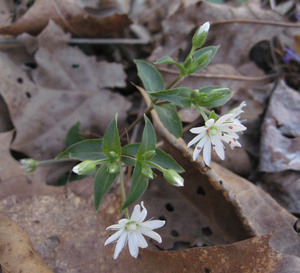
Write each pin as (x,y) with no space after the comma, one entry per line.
(148,139)
(111,139)
(161,158)
(169,60)
(211,96)
(89,149)
(138,186)
(169,117)
(203,57)
(103,182)
(150,76)
(180,96)
(73,135)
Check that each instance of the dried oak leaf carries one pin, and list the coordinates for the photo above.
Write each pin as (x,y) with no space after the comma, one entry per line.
(16,250)
(235,39)
(71,17)
(61,66)
(42,116)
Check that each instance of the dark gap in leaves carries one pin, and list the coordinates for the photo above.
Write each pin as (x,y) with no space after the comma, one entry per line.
(36,221)
(207,270)
(0,268)
(75,65)
(288,135)
(169,207)
(20,80)
(200,191)
(174,233)
(296,226)
(260,54)
(206,231)
(28,95)
(163,218)
(31,65)
(7,124)
(18,155)
(221,182)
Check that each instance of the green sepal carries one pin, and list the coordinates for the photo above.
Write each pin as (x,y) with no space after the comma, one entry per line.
(111,139)
(73,135)
(213,115)
(211,96)
(138,186)
(161,158)
(103,182)
(150,76)
(181,96)
(168,115)
(170,60)
(89,149)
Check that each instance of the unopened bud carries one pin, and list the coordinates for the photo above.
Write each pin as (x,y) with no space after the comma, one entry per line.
(85,167)
(147,171)
(112,155)
(173,178)
(29,165)
(200,35)
(149,155)
(112,167)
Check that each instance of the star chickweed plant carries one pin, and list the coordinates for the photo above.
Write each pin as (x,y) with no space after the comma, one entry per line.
(107,159)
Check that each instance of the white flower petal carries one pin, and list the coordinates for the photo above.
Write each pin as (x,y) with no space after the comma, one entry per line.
(199,146)
(141,240)
(198,130)
(114,227)
(136,213)
(153,224)
(219,148)
(114,237)
(152,234)
(232,127)
(207,152)
(196,139)
(209,123)
(120,244)
(133,244)
(223,119)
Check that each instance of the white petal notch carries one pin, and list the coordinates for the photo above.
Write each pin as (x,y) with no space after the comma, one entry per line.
(214,132)
(131,231)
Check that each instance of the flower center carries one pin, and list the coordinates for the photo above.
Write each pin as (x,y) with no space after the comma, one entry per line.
(131,226)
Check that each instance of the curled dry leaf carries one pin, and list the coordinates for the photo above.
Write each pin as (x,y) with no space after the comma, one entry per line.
(16,250)
(71,16)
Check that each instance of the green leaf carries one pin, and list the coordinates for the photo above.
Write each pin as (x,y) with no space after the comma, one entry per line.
(89,149)
(211,96)
(161,158)
(151,78)
(169,117)
(148,139)
(73,135)
(103,182)
(138,186)
(169,60)
(203,57)
(180,96)
(111,139)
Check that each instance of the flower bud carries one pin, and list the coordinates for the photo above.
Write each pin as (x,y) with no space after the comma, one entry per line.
(85,167)
(149,155)
(29,165)
(147,171)
(112,167)
(112,155)
(200,35)
(173,178)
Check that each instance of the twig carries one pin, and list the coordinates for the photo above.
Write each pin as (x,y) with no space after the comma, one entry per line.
(249,21)
(220,76)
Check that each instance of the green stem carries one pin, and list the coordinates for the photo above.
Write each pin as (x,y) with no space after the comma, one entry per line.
(178,79)
(202,113)
(123,188)
(49,161)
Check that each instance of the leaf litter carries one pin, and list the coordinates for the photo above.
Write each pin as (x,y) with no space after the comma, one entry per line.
(224,208)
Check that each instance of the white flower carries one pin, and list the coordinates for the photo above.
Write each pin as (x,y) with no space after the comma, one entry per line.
(237,111)
(214,132)
(132,230)
(204,27)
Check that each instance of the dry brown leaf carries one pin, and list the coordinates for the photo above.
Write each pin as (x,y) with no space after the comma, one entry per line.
(42,116)
(61,66)
(71,17)
(235,39)
(16,250)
